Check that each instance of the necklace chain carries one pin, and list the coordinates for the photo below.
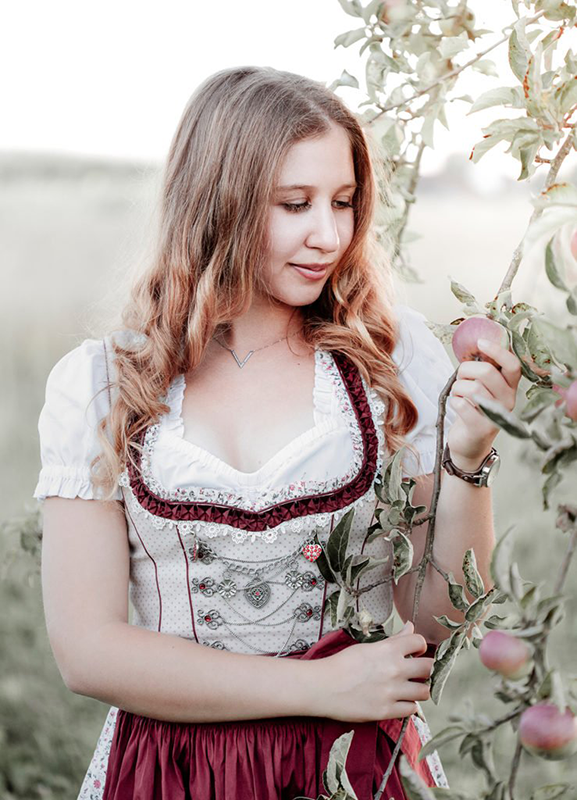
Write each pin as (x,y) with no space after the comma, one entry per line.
(256,349)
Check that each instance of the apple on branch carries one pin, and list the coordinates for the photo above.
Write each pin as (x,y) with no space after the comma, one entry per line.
(470,331)
(547,732)
(506,654)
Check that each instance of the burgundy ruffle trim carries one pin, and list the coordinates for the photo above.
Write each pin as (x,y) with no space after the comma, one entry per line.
(289,509)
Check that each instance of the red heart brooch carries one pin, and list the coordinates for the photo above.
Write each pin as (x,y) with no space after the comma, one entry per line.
(312,551)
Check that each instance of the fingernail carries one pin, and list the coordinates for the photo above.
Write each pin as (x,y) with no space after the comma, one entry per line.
(484,343)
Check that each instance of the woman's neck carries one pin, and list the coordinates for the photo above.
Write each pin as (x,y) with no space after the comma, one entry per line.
(263,324)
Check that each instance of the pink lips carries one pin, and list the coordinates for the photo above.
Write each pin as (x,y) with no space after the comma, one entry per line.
(313,272)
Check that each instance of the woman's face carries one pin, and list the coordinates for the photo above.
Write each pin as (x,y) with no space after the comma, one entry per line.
(311,220)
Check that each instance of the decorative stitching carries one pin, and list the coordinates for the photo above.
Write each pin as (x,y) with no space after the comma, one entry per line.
(176,507)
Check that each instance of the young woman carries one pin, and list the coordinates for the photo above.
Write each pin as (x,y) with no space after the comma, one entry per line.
(261,376)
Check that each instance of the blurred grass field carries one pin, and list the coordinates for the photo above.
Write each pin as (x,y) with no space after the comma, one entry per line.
(71,232)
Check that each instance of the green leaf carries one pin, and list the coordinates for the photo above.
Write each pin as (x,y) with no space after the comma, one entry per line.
(371,9)
(331,607)
(323,564)
(414,786)
(336,774)
(552,791)
(442,737)
(462,294)
(392,477)
(338,542)
(519,50)
(344,602)
(511,96)
(457,594)
(448,623)
(551,268)
(479,606)
(352,7)
(540,400)
(486,67)
(402,555)
(442,666)
(451,45)
(355,568)
(473,580)
(561,341)
(346,79)
(500,560)
(502,417)
(350,37)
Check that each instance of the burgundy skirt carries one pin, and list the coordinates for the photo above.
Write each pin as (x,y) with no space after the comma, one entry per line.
(281,758)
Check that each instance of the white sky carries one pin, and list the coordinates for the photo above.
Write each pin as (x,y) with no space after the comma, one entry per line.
(112,77)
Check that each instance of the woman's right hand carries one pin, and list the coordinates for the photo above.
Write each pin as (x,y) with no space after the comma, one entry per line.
(367,682)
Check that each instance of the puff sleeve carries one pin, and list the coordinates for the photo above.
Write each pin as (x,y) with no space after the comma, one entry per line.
(76,400)
(424,367)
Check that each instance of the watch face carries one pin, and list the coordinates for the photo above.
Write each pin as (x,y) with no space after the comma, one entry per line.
(493,471)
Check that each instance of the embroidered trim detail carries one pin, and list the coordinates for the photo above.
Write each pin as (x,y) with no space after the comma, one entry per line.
(356,402)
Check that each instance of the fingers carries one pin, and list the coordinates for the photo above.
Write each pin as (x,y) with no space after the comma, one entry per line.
(418,668)
(403,709)
(480,374)
(411,644)
(509,363)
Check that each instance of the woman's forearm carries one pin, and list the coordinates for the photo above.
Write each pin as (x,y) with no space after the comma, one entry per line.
(170,678)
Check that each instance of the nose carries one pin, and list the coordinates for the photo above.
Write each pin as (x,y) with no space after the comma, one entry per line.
(323,233)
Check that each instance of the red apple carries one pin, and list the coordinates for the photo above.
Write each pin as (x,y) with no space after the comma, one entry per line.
(474,328)
(569,397)
(505,654)
(546,732)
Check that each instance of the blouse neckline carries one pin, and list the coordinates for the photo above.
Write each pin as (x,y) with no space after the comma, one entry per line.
(173,426)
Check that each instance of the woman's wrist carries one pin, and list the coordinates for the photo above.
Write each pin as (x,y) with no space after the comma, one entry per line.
(468,464)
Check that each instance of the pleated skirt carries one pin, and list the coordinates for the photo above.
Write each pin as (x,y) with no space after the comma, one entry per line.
(281,758)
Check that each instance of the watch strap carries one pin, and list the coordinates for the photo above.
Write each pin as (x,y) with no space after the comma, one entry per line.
(477,478)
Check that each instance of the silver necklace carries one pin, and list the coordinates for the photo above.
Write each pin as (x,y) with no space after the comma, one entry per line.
(250,352)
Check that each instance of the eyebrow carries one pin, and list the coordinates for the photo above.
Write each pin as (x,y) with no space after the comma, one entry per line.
(308,187)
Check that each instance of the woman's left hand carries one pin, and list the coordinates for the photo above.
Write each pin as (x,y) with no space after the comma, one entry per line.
(471,436)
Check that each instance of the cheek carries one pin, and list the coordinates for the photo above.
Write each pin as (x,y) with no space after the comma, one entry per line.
(284,235)
(346,229)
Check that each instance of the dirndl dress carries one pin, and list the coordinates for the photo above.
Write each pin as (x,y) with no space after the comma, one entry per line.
(223,558)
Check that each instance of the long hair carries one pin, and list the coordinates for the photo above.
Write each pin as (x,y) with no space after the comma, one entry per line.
(212,244)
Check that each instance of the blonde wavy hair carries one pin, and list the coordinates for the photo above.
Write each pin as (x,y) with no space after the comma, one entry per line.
(211,248)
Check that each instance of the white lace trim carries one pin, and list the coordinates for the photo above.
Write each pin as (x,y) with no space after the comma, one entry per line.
(218,529)
(295,490)
(93,784)
(433,760)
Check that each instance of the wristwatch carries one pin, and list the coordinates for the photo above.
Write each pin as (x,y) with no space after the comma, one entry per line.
(484,476)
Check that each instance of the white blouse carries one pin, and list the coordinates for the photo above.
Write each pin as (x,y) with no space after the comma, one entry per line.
(77,399)
(246,586)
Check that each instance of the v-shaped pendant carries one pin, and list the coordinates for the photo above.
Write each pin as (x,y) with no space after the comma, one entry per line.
(237,359)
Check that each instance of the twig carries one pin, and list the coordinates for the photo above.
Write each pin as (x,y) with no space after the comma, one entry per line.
(514,769)
(564,568)
(550,180)
(435,493)
(389,771)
